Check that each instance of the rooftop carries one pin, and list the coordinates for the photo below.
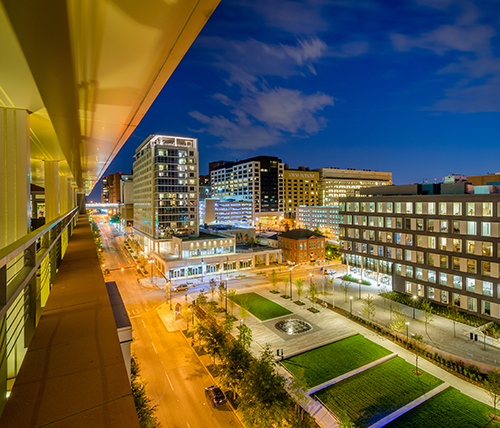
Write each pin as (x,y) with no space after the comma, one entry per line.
(300,234)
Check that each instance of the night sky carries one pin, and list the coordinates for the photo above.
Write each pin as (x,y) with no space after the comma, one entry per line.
(410,87)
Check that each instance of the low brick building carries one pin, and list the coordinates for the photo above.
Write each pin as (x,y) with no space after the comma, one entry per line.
(302,245)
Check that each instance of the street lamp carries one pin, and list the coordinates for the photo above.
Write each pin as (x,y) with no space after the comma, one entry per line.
(311,276)
(202,265)
(151,261)
(350,304)
(187,318)
(359,289)
(414,301)
(291,298)
(407,325)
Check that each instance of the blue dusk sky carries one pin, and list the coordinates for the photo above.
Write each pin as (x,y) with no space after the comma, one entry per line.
(410,87)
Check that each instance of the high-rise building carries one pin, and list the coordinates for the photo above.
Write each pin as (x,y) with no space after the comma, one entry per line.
(105,190)
(166,187)
(127,201)
(114,184)
(301,189)
(434,241)
(259,179)
(338,183)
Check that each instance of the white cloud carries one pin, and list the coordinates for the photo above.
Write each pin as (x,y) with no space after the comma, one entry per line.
(266,118)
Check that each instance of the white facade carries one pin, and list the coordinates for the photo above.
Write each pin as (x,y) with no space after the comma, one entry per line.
(325,218)
(233,212)
(166,187)
(338,183)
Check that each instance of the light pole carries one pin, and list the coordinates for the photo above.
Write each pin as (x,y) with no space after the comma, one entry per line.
(359,289)
(291,298)
(187,318)
(311,276)
(407,325)
(202,266)
(350,304)
(151,261)
(414,302)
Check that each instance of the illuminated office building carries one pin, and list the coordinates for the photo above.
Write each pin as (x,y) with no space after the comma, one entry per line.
(336,183)
(301,189)
(326,219)
(440,242)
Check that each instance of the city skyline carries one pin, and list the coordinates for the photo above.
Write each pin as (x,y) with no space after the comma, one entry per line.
(411,90)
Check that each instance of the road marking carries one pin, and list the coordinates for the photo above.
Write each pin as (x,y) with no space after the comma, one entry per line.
(135,316)
(189,426)
(143,323)
(169,381)
(154,347)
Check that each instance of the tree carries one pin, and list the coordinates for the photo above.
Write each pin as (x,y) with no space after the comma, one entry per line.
(332,252)
(493,387)
(221,292)
(251,241)
(368,307)
(418,343)
(244,335)
(286,281)
(199,330)
(382,292)
(212,286)
(454,316)
(299,285)
(227,323)
(243,310)
(201,299)
(398,322)
(345,286)
(231,294)
(236,362)
(298,387)
(313,293)
(215,340)
(274,279)
(263,400)
(146,412)
(426,307)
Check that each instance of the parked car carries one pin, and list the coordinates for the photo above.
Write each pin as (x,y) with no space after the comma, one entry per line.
(215,395)
(330,272)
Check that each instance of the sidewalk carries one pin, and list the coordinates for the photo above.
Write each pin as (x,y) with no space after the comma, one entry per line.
(439,333)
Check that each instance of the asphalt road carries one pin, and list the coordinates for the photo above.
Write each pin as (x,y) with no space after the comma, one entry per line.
(175,378)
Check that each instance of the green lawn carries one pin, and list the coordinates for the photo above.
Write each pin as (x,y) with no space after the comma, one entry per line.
(261,307)
(335,359)
(375,393)
(449,409)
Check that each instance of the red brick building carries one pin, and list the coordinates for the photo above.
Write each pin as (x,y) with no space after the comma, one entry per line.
(302,245)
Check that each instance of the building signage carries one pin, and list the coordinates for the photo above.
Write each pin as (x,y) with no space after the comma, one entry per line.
(301,175)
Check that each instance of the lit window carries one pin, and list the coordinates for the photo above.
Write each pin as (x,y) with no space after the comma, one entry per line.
(471,208)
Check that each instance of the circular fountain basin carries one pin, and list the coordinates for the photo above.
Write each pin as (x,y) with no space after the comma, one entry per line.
(293,326)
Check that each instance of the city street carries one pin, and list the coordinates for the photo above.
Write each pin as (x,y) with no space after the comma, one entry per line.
(175,377)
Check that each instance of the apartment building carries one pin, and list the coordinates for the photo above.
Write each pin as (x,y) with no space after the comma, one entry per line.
(326,219)
(435,241)
(259,180)
(336,183)
(166,187)
(301,189)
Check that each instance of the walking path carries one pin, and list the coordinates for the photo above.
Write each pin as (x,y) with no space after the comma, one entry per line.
(328,325)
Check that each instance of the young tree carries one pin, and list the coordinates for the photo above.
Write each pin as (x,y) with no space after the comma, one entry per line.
(286,281)
(231,294)
(199,330)
(454,316)
(493,387)
(428,315)
(382,291)
(368,307)
(221,292)
(274,279)
(313,293)
(243,310)
(228,323)
(298,387)
(345,286)
(398,322)
(418,344)
(212,286)
(201,299)
(244,335)
(299,285)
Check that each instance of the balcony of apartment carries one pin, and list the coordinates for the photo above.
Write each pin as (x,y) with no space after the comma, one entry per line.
(61,363)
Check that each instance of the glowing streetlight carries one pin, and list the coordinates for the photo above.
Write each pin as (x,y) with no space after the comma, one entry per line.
(414,302)
(350,303)
(407,325)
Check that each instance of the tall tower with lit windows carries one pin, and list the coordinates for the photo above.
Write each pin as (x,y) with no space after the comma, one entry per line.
(166,187)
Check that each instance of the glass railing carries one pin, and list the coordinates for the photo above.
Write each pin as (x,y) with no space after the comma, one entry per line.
(27,271)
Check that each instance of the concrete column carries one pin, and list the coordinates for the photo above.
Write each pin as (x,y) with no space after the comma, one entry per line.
(15,211)
(362,267)
(267,259)
(63,195)
(52,199)
(378,272)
